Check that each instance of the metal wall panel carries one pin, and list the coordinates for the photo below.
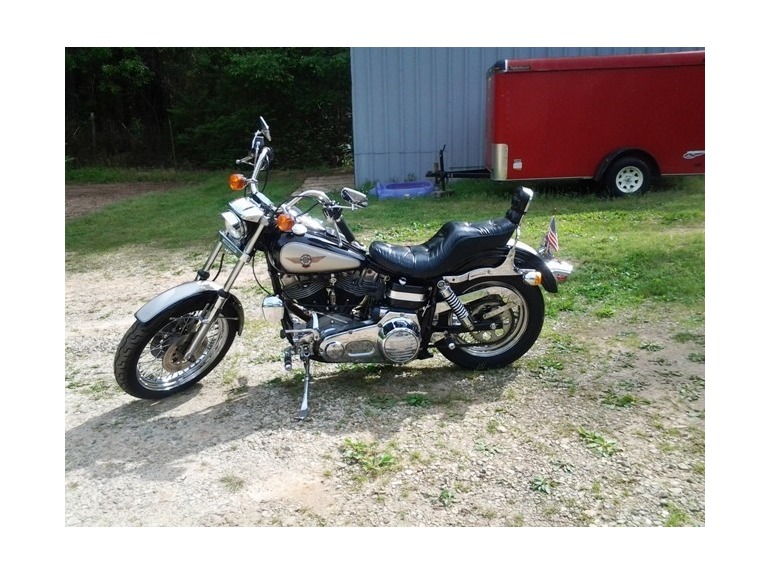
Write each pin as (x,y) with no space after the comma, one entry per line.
(409,102)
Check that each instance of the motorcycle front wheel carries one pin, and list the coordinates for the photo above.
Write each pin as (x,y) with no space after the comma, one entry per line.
(151,363)
(517,309)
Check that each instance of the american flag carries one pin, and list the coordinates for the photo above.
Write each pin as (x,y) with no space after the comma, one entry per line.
(551,238)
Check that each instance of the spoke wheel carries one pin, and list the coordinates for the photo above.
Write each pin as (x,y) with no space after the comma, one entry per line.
(516,309)
(154,359)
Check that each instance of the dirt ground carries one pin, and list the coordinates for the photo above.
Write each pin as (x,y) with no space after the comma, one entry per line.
(84,199)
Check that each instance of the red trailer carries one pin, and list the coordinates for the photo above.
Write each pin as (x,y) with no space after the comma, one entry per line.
(619,120)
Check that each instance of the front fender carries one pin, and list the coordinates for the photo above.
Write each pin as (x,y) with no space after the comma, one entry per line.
(527,258)
(184,292)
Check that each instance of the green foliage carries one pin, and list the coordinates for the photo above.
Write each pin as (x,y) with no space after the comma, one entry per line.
(232,483)
(696,357)
(543,484)
(417,400)
(602,446)
(689,337)
(563,466)
(613,399)
(187,216)
(368,457)
(491,450)
(649,346)
(199,106)
(446,497)
(100,174)
(676,516)
(626,251)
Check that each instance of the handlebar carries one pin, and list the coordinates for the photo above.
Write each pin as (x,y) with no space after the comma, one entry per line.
(260,157)
(345,230)
(332,210)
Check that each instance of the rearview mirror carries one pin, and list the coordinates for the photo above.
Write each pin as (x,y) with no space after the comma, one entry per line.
(355,197)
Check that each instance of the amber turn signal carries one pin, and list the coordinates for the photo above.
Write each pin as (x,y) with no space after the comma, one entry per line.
(237,182)
(284,222)
(533,278)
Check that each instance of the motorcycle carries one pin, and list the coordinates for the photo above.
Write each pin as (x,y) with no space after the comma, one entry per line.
(472,292)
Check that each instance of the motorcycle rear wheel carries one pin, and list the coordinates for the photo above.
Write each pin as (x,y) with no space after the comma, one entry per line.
(149,362)
(517,308)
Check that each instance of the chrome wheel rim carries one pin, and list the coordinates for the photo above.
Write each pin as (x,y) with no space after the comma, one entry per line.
(162,366)
(507,309)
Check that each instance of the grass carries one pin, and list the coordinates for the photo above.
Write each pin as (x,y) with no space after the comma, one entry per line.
(625,251)
(232,483)
(371,459)
(187,217)
(613,399)
(91,175)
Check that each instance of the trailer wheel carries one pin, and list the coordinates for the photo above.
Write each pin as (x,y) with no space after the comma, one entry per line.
(628,176)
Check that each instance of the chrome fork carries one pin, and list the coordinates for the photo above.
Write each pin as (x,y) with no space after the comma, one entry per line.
(223,295)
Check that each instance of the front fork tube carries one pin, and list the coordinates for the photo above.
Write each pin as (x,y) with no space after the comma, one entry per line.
(223,294)
(204,274)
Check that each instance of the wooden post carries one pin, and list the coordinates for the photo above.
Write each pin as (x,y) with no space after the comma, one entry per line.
(171,135)
(93,131)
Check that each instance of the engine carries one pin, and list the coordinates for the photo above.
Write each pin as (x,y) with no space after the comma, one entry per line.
(333,293)
(360,318)
(393,339)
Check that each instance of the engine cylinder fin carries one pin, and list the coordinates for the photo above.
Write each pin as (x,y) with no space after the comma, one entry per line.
(358,285)
(300,288)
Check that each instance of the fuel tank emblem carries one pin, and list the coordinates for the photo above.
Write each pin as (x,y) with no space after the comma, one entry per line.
(306,260)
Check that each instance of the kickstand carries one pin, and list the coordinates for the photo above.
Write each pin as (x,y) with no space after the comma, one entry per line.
(304,408)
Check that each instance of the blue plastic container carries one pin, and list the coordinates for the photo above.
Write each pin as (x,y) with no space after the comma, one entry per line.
(403,190)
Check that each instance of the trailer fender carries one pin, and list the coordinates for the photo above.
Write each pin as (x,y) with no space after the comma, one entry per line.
(613,156)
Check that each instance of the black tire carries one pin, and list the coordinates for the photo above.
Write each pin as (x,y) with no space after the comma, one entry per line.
(149,360)
(628,176)
(521,324)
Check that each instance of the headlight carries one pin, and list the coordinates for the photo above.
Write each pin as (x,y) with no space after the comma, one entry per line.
(233,225)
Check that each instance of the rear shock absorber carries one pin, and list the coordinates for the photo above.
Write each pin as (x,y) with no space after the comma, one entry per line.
(455,304)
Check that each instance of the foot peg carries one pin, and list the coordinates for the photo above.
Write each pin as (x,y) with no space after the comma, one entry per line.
(287,359)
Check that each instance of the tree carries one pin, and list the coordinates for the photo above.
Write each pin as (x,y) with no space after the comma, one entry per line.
(127,106)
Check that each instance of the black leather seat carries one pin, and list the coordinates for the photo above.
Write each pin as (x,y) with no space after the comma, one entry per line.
(454,245)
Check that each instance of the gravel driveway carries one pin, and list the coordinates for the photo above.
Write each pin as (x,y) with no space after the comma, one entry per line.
(602,423)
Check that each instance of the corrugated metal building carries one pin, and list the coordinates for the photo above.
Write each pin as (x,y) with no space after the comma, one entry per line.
(410,102)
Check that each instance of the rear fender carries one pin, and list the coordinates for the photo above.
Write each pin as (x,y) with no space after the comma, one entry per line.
(527,258)
(206,290)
